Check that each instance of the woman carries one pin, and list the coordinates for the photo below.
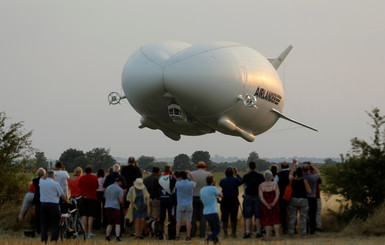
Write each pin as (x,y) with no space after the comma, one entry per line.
(100,195)
(269,195)
(230,202)
(139,198)
(74,181)
(298,201)
(274,170)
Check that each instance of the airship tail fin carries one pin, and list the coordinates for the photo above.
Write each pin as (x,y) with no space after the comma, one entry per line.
(278,61)
(292,120)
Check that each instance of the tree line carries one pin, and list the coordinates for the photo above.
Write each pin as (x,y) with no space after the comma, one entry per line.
(358,178)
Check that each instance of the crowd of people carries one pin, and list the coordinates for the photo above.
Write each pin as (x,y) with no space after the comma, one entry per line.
(123,197)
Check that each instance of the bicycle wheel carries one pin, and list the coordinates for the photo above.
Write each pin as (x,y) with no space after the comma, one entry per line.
(79,229)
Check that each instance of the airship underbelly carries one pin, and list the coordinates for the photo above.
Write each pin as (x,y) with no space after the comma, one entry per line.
(193,90)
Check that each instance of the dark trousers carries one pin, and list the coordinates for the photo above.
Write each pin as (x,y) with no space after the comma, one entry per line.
(312,222)
(229,207)
(215,225)
(49,217)
(167,205)
(37,217)
(198,214)
(98,217)
(283,207)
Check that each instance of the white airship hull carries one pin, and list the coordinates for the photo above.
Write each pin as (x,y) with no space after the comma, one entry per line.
(185,89)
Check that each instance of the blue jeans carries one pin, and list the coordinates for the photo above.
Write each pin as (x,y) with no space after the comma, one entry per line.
(215,225)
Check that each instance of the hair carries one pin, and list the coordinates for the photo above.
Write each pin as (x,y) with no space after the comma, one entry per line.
(284,165)
(131,160)
(183,174)
(88,169)
(306,167)
(177,173)
(274,169)
(78,171)
(298,172)
(116,167)
(229,171)
(155,170)
(209,179)
(101,173)
(268,175)
(50,174)
(40,172)
(167,169)
(110,170)
(252,165)
(59,165)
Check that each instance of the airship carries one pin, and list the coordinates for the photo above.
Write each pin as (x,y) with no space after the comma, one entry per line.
(185,89)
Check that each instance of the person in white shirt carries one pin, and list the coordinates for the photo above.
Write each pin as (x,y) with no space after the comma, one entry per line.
(62,176)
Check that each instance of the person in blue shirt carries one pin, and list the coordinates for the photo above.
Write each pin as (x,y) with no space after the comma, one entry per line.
(50,195)
(184,194)
(209,195)
(230,202)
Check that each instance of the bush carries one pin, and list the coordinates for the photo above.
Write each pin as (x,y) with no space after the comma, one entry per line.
(359,178)
(15,148)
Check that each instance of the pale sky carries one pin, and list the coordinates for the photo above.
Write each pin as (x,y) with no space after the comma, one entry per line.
(60,59)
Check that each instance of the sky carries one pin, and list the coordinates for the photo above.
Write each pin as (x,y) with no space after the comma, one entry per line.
(60,59)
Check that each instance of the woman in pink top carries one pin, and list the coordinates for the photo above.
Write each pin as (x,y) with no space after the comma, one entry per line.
(99,192)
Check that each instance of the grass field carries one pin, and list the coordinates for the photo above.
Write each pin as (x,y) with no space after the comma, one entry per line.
(334,233)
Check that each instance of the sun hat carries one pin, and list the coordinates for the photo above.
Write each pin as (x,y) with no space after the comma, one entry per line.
(139,184)
(201,164)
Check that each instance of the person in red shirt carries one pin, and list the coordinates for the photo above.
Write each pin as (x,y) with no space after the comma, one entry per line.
(73,182)
(88,184)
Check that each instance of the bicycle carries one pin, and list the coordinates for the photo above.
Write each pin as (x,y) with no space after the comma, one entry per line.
(71,226)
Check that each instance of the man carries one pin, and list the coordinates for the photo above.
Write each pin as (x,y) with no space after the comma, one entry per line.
(50,194)
(167,200)
(88,184)
(184,193)
(62,176)
(252,179)
(209,195)
(200,176)
(110,179)
(312,179)
(130,173)
(114,202)
(41,173)
(282,178)
(152,184)
(319,205)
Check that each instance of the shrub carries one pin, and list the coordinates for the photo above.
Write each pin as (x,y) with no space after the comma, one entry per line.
(359,177)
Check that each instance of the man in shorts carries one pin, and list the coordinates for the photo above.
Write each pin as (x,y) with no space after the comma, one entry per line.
(114,201)
(88,184)
(184,194)
(252,179)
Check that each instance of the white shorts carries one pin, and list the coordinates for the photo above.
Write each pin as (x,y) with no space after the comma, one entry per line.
(28,201)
